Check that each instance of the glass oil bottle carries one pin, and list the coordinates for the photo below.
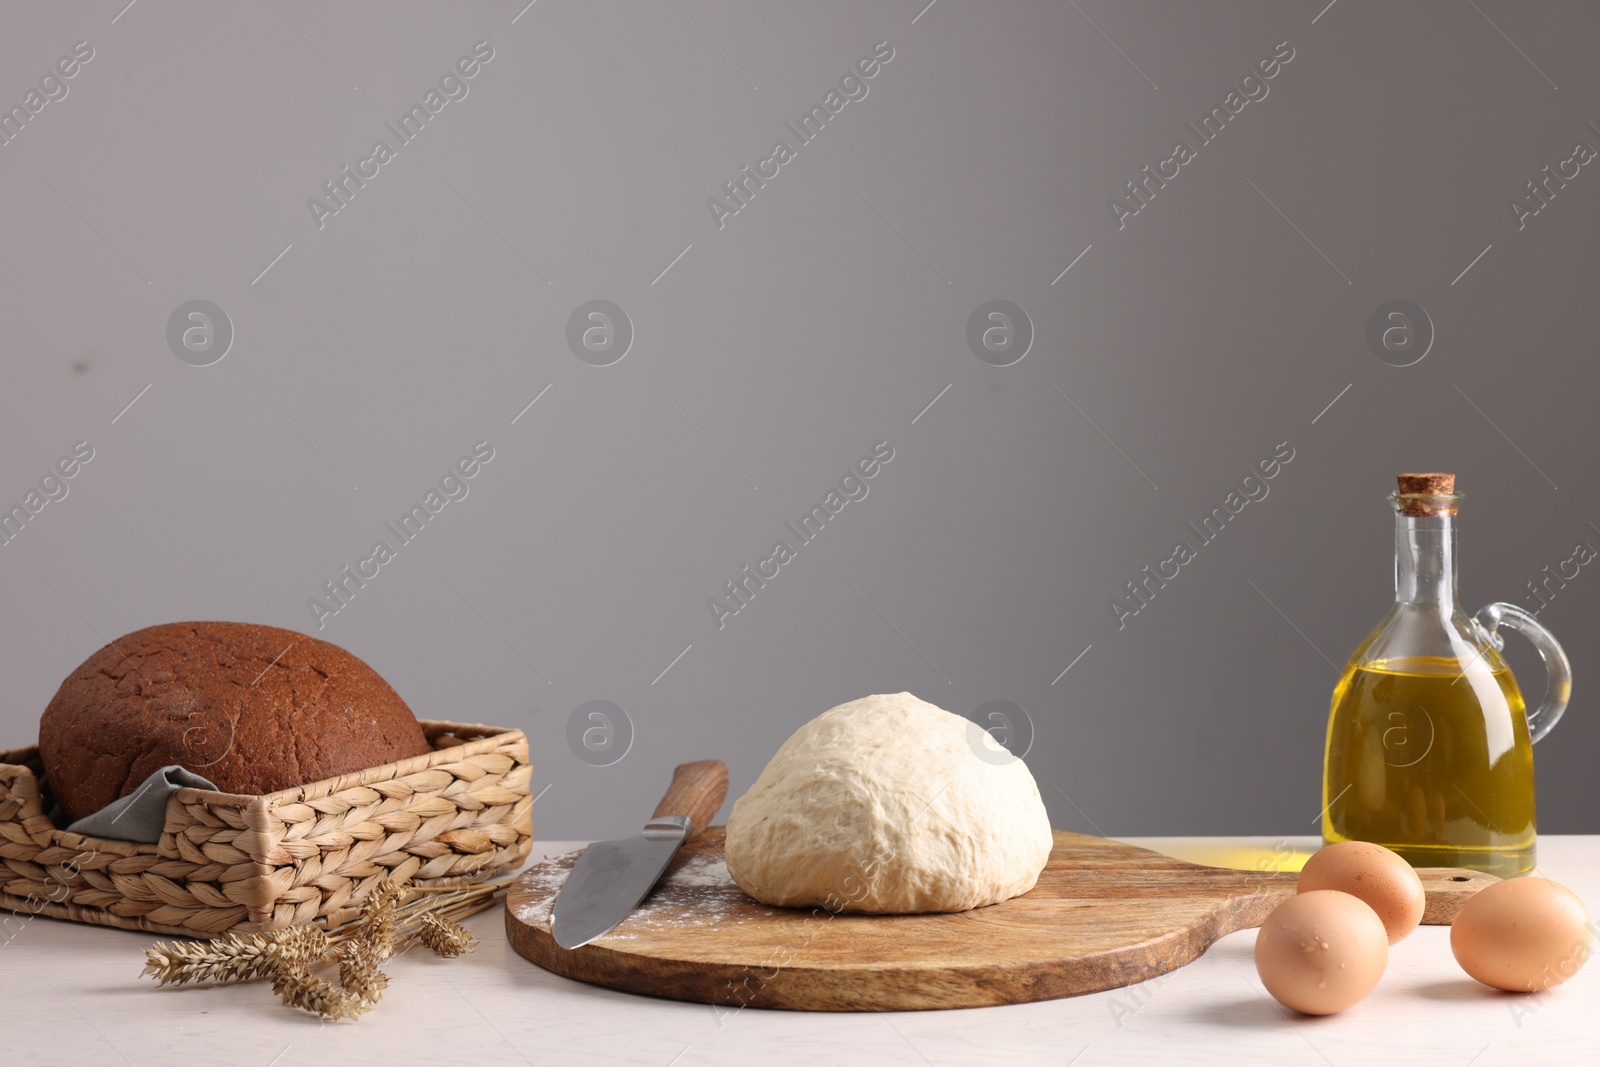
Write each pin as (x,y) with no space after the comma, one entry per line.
(1430,746)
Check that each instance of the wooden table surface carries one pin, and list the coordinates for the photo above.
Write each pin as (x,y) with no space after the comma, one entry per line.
(69,994)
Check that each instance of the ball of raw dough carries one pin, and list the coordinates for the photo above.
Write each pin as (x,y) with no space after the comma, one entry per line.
(885,805)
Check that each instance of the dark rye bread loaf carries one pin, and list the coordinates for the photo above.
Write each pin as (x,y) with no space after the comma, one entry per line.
(253,708)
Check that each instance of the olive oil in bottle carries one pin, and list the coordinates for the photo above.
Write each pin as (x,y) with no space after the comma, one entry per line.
(1434,762)
(1430,746)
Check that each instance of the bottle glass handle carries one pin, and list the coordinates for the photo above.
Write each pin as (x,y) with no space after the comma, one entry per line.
(1494,616)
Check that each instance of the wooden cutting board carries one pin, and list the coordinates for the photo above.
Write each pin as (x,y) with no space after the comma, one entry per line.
(1103,915)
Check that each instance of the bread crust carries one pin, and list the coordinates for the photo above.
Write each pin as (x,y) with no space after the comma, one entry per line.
(253,708)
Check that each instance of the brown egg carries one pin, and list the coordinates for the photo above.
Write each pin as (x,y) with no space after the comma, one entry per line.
(1379,877)
(1522,935)
(1321,951)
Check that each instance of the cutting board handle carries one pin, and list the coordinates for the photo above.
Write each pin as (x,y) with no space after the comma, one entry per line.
(697,790)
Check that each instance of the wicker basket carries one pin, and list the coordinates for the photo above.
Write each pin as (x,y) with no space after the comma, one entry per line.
(255,863)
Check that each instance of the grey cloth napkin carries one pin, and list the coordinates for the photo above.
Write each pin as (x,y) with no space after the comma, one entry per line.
(141,815)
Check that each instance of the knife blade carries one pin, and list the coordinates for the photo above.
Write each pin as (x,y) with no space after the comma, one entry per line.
(611,878)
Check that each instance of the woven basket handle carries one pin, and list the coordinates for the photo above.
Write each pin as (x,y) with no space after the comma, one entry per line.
(697,790)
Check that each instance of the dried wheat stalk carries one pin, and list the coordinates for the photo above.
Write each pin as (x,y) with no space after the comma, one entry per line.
(377,927)
(394,917)
(445,936)
(299,988)
(234,958)
(359,972)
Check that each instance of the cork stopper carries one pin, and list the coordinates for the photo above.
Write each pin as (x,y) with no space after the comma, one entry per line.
(1422,495)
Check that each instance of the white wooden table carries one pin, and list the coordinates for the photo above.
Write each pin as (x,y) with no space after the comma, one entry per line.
(69,994)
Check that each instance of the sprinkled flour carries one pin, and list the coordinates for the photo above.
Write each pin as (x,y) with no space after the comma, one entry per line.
(696,892)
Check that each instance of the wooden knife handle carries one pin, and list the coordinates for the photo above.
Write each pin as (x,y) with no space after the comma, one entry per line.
(697,790)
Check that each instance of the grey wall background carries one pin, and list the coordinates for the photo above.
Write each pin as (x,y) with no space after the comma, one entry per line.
(770,354)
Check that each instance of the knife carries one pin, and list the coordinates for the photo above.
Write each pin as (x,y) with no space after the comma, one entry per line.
(610,878)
